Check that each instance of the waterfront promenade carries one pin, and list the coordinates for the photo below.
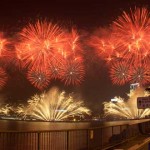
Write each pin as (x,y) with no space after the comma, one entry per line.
(70,135)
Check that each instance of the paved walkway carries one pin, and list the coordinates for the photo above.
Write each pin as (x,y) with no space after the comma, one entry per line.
(137,143)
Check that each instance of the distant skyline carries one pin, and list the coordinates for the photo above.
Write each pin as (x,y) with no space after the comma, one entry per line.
(87,16)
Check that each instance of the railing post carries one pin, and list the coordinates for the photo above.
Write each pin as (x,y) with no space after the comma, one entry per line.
(67,140)
(38,141)
(128,132)
(101,138)
(88,140)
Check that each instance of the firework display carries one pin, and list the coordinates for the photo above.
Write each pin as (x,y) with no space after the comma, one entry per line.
(51,106)
(133,31)
(46,47)
(46,51)
(127,109)
(126,41)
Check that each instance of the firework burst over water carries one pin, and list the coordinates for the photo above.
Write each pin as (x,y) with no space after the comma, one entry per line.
(53,106)
(6,109)
(127,108)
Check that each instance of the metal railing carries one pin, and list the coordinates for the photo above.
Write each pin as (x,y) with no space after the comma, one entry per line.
(77,139)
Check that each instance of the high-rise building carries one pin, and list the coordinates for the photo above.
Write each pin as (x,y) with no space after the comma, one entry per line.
(133,86)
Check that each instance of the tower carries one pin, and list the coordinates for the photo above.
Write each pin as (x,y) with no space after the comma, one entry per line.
(133,86)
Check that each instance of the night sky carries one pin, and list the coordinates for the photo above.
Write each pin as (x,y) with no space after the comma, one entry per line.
(86,16)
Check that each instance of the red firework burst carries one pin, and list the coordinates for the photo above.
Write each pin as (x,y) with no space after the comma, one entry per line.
(133,29)
(106,45)
(56,68)
(73,73)
(140,74)
(38,78)
(40,42)
(5,51)
(3,45)
(119,73)
(71,48)
(3,78)
(17,61)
